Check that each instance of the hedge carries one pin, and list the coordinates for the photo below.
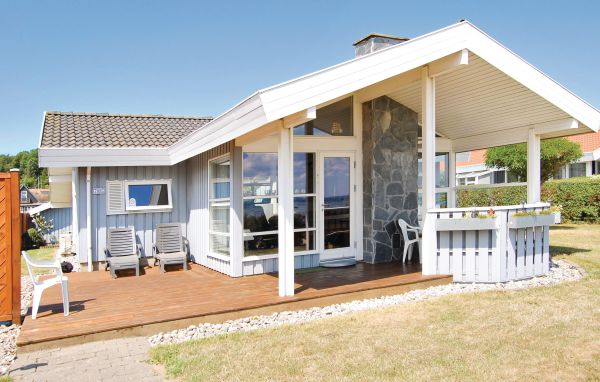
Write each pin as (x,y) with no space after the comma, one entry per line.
(579,197)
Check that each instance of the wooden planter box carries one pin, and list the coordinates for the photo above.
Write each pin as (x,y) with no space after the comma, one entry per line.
(466,224)
(529,221)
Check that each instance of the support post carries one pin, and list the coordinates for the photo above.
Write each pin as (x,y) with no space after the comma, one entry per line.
(88,205)
(429,242)
(75,209)
(533,167)
(236,214)
(452,179)
(285,184)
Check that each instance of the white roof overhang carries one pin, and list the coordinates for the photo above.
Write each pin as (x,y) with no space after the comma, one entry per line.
(566,113)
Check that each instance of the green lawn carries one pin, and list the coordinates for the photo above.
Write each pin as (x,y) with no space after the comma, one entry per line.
(44,253)
(549,333)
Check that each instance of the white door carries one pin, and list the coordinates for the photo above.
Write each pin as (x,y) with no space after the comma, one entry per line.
(336,198)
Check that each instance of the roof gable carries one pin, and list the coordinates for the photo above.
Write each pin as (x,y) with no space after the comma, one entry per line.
(277,102)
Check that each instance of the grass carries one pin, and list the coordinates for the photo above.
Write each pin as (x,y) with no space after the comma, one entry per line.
(44,253)
(549,333)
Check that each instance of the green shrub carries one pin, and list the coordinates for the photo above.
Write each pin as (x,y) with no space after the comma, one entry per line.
(579,197)
(491,196)
(35,238)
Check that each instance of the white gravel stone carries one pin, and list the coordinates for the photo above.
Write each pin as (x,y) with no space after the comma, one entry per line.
(560,271)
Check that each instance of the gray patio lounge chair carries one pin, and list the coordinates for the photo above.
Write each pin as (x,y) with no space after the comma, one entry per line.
(122,252)
(170,247)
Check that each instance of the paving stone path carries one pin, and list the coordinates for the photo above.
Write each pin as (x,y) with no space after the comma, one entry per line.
(122,359)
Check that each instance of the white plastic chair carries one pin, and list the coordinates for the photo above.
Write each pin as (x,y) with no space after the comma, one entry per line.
(405,228)
(40,286)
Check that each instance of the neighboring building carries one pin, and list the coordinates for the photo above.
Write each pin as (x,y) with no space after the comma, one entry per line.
(471,168)
(32,197)
(589,163)
(315,169)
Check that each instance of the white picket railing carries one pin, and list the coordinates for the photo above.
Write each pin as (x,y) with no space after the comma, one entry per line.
(487,250)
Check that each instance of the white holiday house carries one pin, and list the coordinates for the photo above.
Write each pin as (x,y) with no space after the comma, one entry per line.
(321,167)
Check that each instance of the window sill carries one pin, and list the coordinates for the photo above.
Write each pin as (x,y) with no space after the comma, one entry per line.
(219,256)
(274,256)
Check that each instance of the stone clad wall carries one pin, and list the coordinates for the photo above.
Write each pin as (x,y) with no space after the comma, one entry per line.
(390,170)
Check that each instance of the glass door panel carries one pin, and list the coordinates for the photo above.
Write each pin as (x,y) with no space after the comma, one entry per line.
(336,206)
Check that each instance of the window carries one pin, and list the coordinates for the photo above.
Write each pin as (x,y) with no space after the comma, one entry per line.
(260,204)
(304,202)
(499,176)
(219,201)
(577,169)
(332,120)
(442,181)
(24,197)
(142,195)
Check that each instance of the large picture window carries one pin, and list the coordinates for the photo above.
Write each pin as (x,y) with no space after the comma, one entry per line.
(219,202)
(260,204)
(332,120)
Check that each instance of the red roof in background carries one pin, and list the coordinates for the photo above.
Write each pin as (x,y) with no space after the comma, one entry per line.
(589,142)
(475,157)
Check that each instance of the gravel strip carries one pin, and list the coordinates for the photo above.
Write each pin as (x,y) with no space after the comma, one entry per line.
(560,271)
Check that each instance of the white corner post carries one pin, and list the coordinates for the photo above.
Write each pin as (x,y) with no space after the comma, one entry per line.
(75,209)
(285,185)
(534,178)
(236,216)
(452,179)
(88,227)
(429,240)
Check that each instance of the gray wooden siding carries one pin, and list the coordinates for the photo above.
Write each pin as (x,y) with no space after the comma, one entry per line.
(144,223)
(61,222)
(197,208)
(257,267)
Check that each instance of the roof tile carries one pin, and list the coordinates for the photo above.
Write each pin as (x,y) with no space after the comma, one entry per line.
(101,130)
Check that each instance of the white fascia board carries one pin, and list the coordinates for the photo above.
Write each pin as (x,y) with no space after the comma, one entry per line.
(42,207)
(101,157)
(345,78)
(596,154)
(239,120)
(535,80)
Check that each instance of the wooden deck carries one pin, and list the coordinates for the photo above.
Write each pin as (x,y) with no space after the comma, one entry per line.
(100,304)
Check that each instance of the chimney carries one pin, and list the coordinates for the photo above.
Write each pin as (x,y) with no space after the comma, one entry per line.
(375,41)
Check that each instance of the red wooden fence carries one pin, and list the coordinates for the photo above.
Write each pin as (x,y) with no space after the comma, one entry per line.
(10,246)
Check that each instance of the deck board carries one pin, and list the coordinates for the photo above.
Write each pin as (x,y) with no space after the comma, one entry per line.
(99,303)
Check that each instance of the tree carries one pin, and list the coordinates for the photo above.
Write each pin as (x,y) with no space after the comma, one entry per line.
(555,153)
(27,163)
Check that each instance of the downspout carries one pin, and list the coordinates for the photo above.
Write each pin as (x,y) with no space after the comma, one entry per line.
(88,204)
(75,210)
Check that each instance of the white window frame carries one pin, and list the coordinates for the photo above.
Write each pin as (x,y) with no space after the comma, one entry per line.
(24,199)
(167,182)
(219,202)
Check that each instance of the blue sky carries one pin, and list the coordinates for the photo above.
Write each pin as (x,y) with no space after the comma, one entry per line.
(195,58)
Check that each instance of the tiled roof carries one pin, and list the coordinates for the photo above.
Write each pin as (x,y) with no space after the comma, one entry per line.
(41,194)
(589,142)
(475,157)
(80,130)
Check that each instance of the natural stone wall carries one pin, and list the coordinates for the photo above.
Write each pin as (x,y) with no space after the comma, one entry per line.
(390,170)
